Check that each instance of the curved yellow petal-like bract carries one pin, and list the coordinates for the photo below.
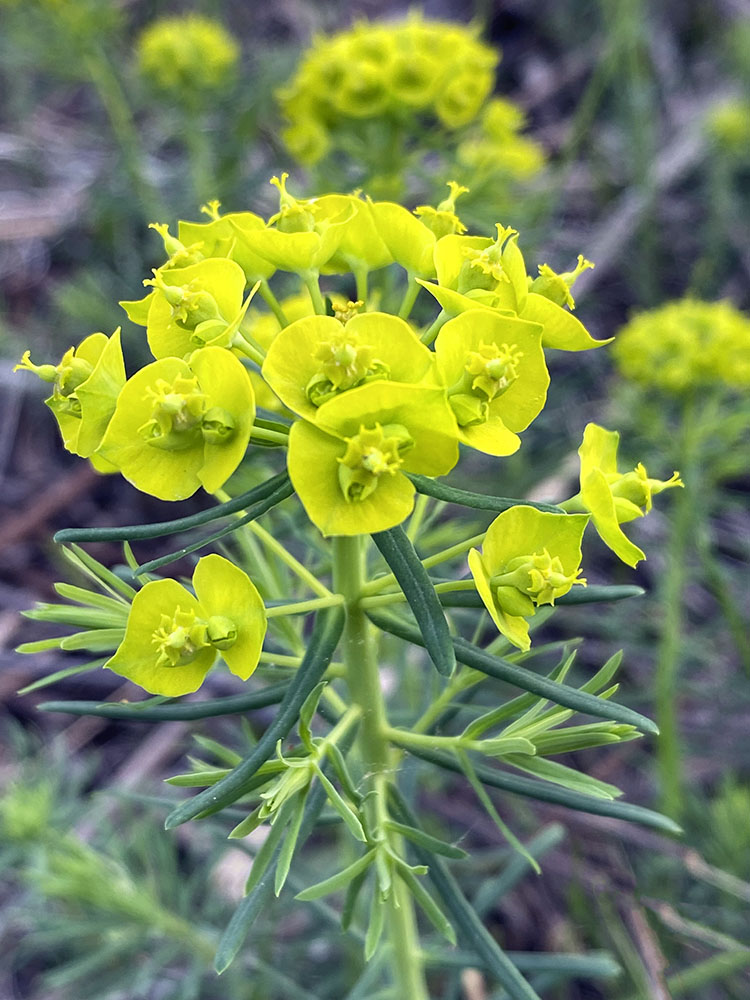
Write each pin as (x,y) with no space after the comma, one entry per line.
(223,589)
(524,399)
(176,473)
(223,279)
(424,411)
(137,654)
(562,330)
(596,496)
(227,236)
(291,360)
(168,475)
(523,531)
(226,383)
(513,627)
(98,396)
(313,464)
(409,241)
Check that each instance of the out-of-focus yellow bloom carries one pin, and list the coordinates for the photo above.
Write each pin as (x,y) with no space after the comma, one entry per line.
(185,56)
(413,68)
(686,344)
(728,124)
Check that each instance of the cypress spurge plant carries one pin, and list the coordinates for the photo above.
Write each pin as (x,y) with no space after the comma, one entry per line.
(364,411)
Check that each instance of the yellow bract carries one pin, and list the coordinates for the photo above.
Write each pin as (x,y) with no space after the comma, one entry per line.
(172,638)
(528,558)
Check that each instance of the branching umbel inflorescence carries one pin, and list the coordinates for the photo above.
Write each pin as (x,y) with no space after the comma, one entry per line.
(343,414)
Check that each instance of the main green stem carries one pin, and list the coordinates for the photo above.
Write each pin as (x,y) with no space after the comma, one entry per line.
(363,680)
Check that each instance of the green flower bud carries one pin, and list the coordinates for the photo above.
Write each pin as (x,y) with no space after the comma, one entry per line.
(556,287)
(443,220)
(217,425)
(221,631)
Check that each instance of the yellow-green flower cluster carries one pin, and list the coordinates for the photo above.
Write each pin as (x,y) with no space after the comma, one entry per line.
(371,401)
(368,400)
(728,124)
(432,70)
(187,55)
(685,345)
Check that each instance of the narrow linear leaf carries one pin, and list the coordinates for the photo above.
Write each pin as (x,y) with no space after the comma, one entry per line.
(178,710)
(284,490)
(479,501)
(67,614)
(513,673)
(604,674)
(117,605)
(94,640)
(61,675)
(594,594)
(545,792)
(338,763)
(97,572)
(246,825)
(425,840)
(513,707)
(580,738)
(329,624)
(137,532)
(345,811)
(219,751)
(41,645)
(375,925)
(198,779)
(306,714)
(578,595)
(471,930)
(383,869)
(256,902)
(481,793)
(404,563)
(430,908)
(350,900)
(290,842)
(499,746)
(268,849)
(563,775)
(340,880)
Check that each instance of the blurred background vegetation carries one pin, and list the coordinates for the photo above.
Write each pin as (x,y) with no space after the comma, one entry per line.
(619,129)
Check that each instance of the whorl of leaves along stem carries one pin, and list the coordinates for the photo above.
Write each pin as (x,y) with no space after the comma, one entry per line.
(329,624)
(513,673)
(256,901)
(545,792)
